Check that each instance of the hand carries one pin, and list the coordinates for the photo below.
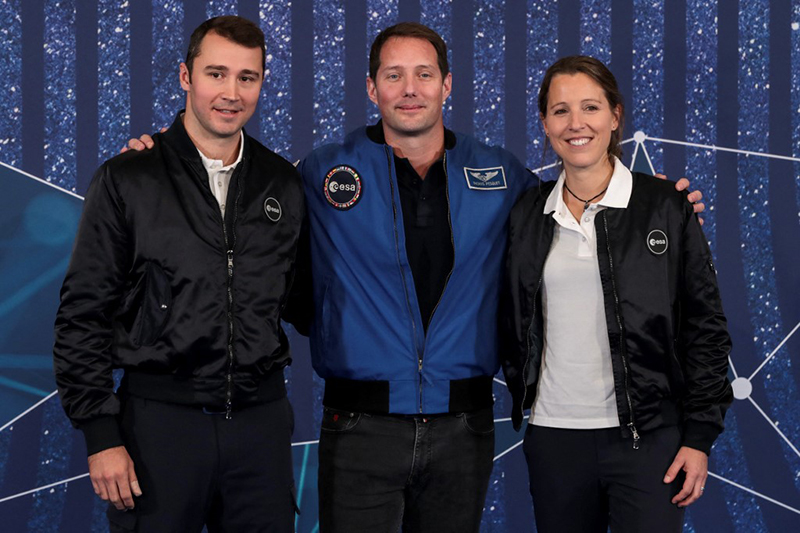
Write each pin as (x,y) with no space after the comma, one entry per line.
(142,143)
(113,477)
(694,197)
(695,464)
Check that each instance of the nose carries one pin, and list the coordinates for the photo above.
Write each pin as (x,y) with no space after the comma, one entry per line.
(230,90)
(575,121)
(410,86)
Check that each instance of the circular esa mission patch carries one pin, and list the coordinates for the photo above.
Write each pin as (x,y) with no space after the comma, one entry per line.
(343,187)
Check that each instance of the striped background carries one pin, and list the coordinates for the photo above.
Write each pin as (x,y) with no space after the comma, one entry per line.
(79,77)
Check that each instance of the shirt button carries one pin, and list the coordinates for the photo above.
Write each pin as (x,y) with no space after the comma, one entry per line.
(583,239)
(222,206)
(586,219)
(219,183)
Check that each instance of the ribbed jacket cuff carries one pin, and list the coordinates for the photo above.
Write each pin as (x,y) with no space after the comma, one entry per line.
(699,435)
(101,434)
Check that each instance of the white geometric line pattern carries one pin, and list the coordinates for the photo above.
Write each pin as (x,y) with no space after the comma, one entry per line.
(754,493)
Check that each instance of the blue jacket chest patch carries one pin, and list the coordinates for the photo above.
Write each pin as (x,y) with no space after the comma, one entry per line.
(485,179)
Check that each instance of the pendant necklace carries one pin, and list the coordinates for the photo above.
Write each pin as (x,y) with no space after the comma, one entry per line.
(585,202)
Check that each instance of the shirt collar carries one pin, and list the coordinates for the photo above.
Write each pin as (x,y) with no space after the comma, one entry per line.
(216,164)
(618,194)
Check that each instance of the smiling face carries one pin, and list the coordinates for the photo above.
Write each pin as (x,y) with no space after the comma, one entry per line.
(222,89)
(408,88)
(579,121)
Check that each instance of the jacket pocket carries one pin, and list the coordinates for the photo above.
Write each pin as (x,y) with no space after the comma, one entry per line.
(155,304)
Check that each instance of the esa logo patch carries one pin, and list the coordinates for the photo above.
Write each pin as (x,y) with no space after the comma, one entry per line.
(343,187)
(485,179)
(657,241)
(273,209)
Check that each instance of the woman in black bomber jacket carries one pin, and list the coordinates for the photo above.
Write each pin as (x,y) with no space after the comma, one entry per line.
(612,328)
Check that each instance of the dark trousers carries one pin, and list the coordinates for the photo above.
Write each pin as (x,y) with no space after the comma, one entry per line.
(383,473)
(199,469)
(585,480)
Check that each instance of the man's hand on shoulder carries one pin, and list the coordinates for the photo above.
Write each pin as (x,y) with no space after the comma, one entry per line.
(694,197)
(145,142)
(113,477)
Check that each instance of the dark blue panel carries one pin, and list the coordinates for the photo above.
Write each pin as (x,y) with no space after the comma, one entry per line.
(302,77)
(569,27)
(462,67)
(783,189)
(86,97)
(622,53)
(141,75)
(517,114)
(674,87)
(33,88)
(409,10)
(356,44)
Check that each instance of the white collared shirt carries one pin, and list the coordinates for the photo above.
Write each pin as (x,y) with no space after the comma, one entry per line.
(219,176)
(576,383)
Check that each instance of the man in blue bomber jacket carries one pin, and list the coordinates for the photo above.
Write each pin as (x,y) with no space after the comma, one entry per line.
(408,227)
(408,230)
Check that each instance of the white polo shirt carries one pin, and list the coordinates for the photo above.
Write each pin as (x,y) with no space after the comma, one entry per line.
(219,177)
(576,383)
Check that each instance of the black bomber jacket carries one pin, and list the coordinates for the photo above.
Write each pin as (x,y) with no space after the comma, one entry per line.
(666,328)
(159,285)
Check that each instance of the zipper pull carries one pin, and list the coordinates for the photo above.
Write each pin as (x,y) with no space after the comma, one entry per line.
(420,365)
(228,410)
(635,436)
(230,262)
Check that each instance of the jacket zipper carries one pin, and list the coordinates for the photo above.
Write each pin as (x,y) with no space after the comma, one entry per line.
(447,279)
(389,155)
(229,246)
(528,336)
(631,422)
(528,350)
(452,243)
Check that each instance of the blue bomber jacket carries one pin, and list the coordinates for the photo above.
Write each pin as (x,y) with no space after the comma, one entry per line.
(367,337)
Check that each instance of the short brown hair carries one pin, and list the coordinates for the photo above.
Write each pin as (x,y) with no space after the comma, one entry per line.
(413,30)
(596,70)
(237,29)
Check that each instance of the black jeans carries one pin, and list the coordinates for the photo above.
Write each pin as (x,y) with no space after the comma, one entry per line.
(196,468)
(378,473)
(585,480)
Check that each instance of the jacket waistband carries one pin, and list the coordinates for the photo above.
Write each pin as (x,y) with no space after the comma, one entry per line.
(174,389)
(466,395)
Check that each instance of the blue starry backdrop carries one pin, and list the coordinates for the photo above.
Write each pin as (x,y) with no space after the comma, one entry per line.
(712,92)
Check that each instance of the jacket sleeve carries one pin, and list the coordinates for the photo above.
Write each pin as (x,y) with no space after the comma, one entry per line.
(512,318)
(703,340)
(299,307)
(82,354)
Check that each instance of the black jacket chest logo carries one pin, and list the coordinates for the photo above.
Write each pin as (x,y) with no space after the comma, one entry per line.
(273,209)
(657,241)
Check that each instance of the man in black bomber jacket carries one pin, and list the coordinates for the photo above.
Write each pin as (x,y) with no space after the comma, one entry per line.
(180,276)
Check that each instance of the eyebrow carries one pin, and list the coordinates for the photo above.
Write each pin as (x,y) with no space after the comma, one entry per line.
(394,67)
(582,101)
(223,68)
